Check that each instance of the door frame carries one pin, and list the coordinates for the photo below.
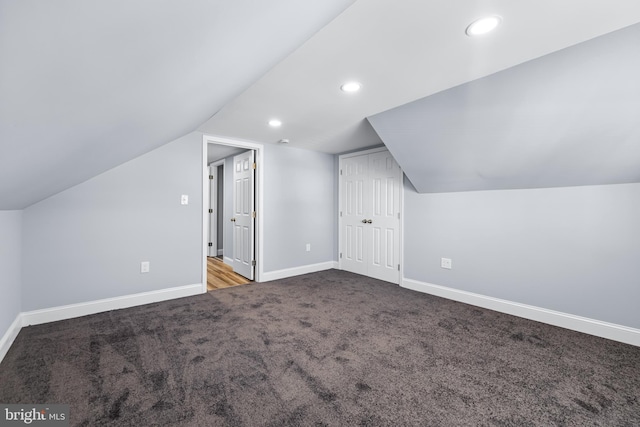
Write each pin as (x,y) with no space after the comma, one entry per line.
(213,204)
(401,201)
(259,187)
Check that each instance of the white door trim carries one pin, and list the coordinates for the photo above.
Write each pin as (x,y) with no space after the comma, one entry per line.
(219,164)
(213,215)
(401,194)
(259,149)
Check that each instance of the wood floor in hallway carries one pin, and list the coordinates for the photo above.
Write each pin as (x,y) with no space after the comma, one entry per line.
(221,275)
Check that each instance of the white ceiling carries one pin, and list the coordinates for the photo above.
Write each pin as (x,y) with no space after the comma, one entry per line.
(401,51)
(86,86)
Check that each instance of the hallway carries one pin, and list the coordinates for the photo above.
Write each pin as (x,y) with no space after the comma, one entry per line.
(221,275)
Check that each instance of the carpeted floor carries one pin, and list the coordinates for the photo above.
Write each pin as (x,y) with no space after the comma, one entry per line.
(329,348)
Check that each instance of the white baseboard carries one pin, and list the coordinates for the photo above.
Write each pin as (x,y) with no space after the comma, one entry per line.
(53,314)
(598,328)
(220,252)
(296,271)
(10,336)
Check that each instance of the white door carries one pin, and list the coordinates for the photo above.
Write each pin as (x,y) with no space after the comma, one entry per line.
(383,222)
(370,215)
(243,214)
(213,211)
(355,172)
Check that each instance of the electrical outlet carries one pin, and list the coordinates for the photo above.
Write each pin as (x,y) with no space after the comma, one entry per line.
(445,263)
(184,199)
(144,267)
(308,247)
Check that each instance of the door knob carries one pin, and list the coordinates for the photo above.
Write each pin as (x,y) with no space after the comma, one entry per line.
(369,221)
(364,221)
(233,220)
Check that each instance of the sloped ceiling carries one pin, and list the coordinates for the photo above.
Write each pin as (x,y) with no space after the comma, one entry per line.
(569,118)
(88,85)
(401,51)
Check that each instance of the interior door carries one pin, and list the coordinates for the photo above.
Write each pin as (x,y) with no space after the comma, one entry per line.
(354,203)
(384,183)
(244,214)
(370,215)
(213,211)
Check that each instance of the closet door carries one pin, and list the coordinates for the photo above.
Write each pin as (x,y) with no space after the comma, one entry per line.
(369,215)
(355,199)
(384,214)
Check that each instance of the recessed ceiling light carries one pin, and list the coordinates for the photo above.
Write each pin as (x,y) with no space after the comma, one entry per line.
(351,87)
(275,123)
(283,141)
(483,25)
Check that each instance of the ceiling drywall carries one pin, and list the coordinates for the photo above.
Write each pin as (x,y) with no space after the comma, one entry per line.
(569,118)
(88,85)
(402,51)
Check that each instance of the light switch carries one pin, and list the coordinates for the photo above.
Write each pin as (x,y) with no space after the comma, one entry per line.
(184,200)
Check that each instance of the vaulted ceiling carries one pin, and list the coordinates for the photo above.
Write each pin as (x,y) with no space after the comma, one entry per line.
(566,119)
(402,51)
(85,86)
(88,85)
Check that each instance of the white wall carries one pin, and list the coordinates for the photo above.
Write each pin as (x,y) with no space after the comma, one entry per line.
(86,243)
(10,267)
(575,249)
(300,207)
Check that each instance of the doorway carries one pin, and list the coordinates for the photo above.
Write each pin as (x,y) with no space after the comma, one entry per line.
(251,254)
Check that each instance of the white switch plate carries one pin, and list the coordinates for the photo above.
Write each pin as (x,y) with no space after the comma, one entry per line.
(144,267)
(308,247)
(184,200)
(445,263)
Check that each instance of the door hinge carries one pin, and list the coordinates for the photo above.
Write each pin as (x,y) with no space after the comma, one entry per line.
(398,267)
(253,214)
(210,210)
(210,176)
(398,215)
(340,213)
(340,171)
(340,254)
(254,165)
(253,263)
(210,244)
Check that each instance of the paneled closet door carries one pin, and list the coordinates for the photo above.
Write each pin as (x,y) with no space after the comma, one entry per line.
(355,201)
(369,209)
(384,214)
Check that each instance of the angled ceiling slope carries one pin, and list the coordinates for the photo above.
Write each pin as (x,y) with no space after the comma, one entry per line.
(401,51)
(569,118)
(86,86)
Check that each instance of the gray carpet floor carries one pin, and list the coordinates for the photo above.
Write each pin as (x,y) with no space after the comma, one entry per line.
(329,348)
